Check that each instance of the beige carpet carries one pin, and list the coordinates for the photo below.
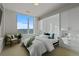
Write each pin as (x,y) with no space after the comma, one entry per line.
(18,50)
(62,52)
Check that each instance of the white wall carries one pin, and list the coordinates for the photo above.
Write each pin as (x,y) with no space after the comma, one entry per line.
(0,30)
(1,39)
(2,23)
(10,22)
(1,7)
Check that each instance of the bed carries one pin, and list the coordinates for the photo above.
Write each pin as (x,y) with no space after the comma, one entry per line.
(39,45)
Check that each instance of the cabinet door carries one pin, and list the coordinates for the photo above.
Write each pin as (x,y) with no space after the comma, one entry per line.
(74,45)
(1,45)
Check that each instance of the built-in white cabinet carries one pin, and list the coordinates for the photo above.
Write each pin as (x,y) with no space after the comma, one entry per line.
(70,23)
(1,44)
(70,43)
(50,24)
(64,42)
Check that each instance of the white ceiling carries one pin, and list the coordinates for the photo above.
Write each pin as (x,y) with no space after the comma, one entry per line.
(31,9)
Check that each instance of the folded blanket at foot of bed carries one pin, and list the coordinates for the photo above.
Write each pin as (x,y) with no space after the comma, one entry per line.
(28,41)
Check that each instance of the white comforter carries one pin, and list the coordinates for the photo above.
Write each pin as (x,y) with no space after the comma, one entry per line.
(40,45)
(37,48)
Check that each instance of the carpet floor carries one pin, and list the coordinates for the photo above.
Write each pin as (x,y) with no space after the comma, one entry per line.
(19,50)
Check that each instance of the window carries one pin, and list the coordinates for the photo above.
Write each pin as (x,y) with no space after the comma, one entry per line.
(25,24)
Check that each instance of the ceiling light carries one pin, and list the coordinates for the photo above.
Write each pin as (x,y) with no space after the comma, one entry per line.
(36,4)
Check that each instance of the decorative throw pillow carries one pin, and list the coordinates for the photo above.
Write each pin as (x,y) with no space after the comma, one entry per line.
(43,36)
(47,34)
(52,36)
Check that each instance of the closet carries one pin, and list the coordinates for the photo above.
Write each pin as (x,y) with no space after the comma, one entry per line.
(70,23)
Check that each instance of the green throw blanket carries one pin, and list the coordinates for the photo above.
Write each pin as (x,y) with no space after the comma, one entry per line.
(29,43)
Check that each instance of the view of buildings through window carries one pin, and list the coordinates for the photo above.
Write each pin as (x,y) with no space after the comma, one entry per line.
(25,23)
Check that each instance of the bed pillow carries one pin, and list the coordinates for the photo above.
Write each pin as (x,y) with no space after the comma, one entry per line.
(52,36)
(43,36)
(46,33)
